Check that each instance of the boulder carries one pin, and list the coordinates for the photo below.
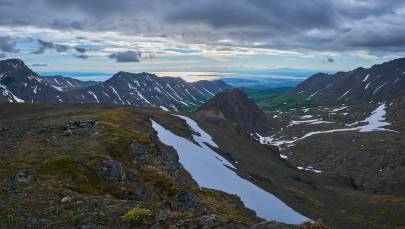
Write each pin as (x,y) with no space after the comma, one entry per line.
(111,170)
(22,175)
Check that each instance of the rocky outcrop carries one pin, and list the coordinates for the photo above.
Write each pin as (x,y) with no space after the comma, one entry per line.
(233,105)
(111,171)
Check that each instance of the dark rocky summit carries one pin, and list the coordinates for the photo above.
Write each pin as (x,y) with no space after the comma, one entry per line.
(233,105)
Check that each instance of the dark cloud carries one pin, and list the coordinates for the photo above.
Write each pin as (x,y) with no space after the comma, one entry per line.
(127,56)
(61,48)
(330,60)
(43,46)
(8,44)
(82,56)
(47,45)
(295,24)
(81,50)
(39,65)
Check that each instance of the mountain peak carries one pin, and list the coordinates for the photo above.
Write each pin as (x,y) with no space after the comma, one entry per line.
(12,64)
(15,70)
(234,105)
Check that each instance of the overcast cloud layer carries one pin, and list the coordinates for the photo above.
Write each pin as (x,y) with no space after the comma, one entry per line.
(374,27)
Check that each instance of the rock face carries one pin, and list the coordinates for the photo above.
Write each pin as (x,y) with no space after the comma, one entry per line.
(148,90)
(234,106)
(378,83)
(18,83)
(111,171)
(68,82)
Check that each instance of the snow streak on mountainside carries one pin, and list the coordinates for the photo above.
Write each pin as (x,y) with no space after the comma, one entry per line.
(68,82)
(379,83)
(375,122)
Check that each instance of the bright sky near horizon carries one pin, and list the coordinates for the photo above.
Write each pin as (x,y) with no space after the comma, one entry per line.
(207,36)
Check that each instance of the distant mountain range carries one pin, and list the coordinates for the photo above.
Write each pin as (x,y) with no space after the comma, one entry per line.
(18,83)
(379,83)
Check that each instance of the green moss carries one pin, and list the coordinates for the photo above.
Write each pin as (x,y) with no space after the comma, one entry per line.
(10,218)
(219,204)
(157,178)
(116,135)
(150,149)
(71,217)
(136,215)
(61,164)
(316,225)
(82,177)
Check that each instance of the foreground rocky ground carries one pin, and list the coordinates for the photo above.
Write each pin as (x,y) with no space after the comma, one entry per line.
(103,167)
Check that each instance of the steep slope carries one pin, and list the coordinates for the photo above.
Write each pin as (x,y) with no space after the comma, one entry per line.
(67,82)
(356,177)
(18,83)
(378,83)
(234,106)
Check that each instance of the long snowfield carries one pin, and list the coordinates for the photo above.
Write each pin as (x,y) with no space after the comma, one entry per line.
(211,170)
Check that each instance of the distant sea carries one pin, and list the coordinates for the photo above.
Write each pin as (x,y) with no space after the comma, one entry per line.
(260,79)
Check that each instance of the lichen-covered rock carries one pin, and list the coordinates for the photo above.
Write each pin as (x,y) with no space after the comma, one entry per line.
(189,202)
(85,123)
(274,225)
(212,221)
(66,199)
(111,171)
(138,150)
(22,176)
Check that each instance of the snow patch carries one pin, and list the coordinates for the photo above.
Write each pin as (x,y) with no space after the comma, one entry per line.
(119,97)
(7,92)
(366,78)
(375,122)
(378,88)
(282,156)
(164,108)
(344,94)
(365,88)
(94,95)
(339,109)
(309,168)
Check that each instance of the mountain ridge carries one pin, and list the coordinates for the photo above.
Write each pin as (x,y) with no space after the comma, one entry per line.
(20,84)
(378,83)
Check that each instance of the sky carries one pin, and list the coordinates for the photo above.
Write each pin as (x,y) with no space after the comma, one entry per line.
(205,36)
